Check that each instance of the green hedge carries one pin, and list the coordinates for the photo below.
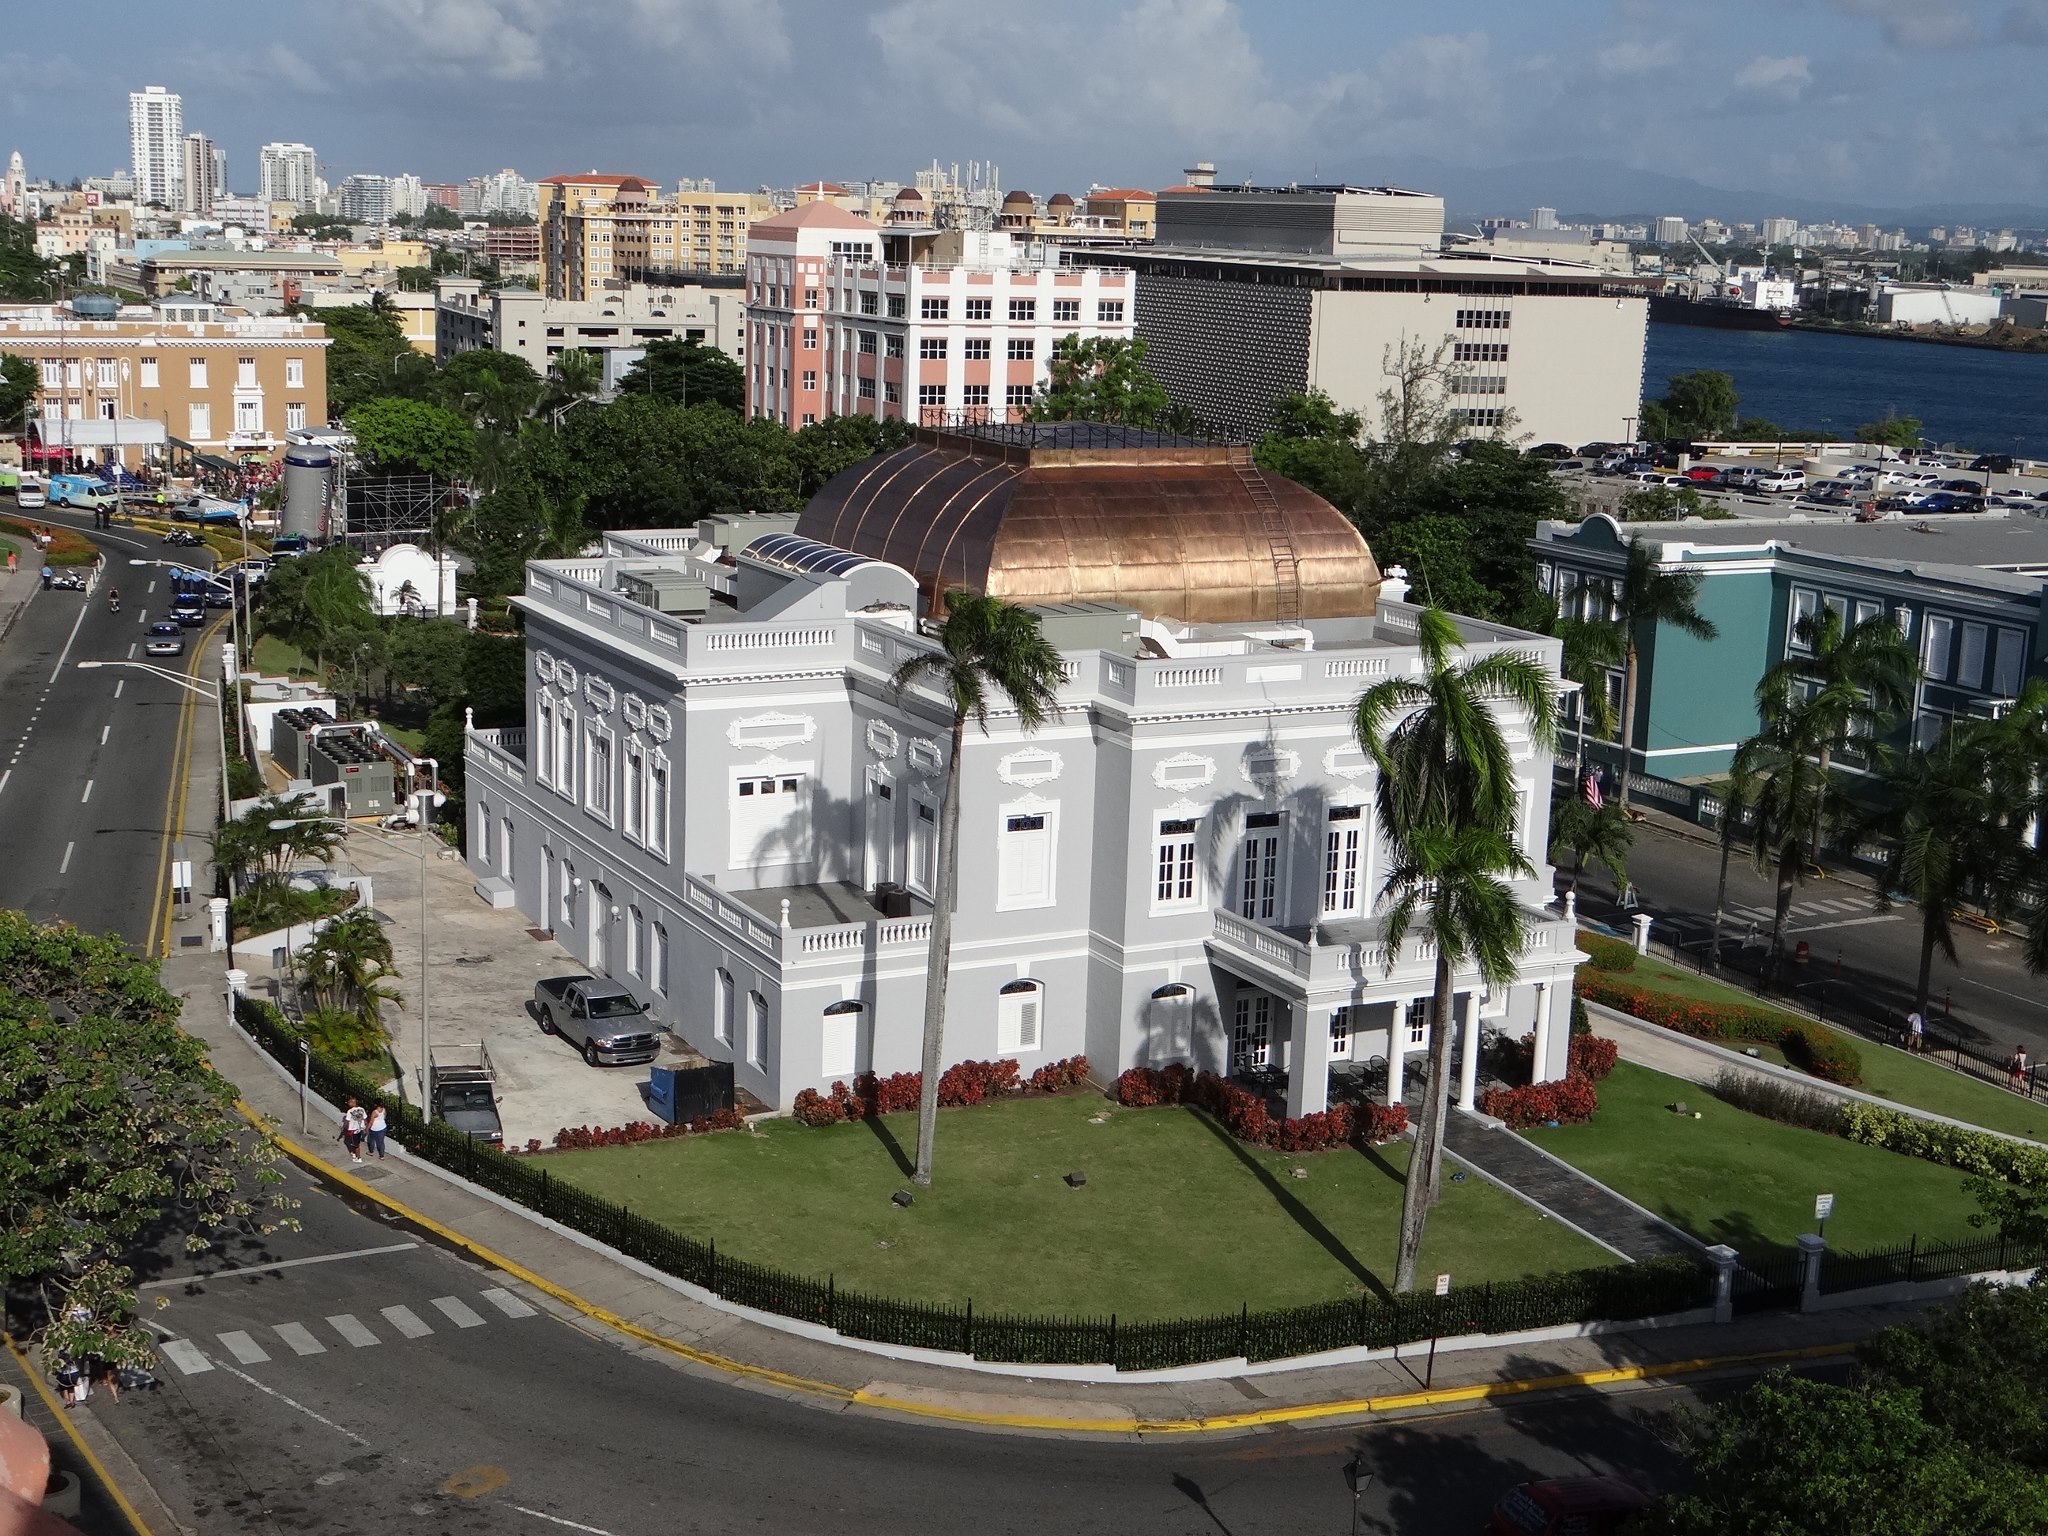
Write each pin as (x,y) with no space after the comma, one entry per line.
(1976,1152)
(1605,954)
(1809,1046)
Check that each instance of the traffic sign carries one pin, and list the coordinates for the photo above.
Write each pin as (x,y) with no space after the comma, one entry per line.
(1823,1207)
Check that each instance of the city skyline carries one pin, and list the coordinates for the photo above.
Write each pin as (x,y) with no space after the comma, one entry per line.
(1860,101)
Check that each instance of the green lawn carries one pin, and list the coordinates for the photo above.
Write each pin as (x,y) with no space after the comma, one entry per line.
(1888,1073)
(1734,1178)
(280,658)
(1175,1218)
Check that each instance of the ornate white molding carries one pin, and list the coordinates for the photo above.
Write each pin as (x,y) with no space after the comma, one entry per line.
(601,694)
(658,725)
(1032,765)
(634,708)
(882,738)
(1347,762)
(1269,765)
(544,666)
(771,730)
(1186,770)
(1183,809)
(566,676)
(925,756)
(1030,801)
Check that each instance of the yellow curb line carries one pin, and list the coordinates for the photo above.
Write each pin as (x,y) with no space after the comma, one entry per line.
(324,1169)
(862,1398)
(71,1433)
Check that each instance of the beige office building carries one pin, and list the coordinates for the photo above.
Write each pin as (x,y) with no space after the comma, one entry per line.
(220,381)
(601,231)
(1249,295)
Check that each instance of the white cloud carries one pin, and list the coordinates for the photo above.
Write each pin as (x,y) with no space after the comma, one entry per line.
(1631,57)
(1920,24)
(1783,78)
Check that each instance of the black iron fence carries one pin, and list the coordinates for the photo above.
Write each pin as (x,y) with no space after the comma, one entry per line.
(1914,1261)
(1654,1288)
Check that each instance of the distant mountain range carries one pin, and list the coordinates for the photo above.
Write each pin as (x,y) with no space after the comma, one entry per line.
(1585,191)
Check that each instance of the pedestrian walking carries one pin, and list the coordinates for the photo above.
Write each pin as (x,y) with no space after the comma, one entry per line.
(47,575)
(378,1125)
(2016,1069)
(1916,1032)
(13,560)
(354,1123)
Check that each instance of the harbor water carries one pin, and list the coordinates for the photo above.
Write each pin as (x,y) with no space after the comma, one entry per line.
(1992,402)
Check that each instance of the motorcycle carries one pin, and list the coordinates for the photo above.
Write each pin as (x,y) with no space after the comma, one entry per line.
(69,583)
(114,603)
(183,536)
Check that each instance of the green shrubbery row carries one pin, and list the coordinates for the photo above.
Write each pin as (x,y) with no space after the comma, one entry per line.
(1956,1146)
(1811,1047)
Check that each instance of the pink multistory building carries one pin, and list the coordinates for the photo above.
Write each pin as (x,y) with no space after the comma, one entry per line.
(847,317)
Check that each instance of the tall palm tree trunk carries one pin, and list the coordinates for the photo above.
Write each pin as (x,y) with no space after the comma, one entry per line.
(1820,805)
(1628,718)
(938,968)
(1721,890)
(1929,931)
(1416,1193)
(1783,913)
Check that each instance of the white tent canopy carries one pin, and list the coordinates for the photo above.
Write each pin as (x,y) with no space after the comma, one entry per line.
(128,432)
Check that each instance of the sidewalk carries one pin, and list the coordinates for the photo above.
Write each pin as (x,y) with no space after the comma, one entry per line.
(1562,1191)
(655,1311)
(16,590)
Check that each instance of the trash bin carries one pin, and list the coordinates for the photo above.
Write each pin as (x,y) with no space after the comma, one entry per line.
(661,1094)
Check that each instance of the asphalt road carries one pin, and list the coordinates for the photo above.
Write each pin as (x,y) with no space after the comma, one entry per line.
(1862,965)
(461,1417)
(87,754)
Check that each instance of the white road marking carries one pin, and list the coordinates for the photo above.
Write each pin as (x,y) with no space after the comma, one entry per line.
(123,683)
(152,586)
(59,668)
(258,1269)
(407,1322)
(294,1403)
(185,1355)
(574,1525)
(131,651)
(456,1312)
(507,1303)
(300,1338)
(4,777)
(345,1324)
(244,1348)
(1847,922)
(88,792)
(66,864)
(103,734)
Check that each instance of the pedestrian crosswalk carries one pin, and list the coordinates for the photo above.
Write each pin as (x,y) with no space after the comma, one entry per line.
(258,1346)
(1823,912)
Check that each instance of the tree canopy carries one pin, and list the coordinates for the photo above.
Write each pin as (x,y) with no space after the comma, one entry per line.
(116,1123)
(17,389)
(684,371)
(1699,404)
(1102,378)
(411,437)
(369,358)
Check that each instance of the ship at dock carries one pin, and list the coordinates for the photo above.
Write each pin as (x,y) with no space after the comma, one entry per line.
(1717,313)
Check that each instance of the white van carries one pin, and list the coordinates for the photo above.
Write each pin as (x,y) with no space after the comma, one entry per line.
(31,493)
(1782,480)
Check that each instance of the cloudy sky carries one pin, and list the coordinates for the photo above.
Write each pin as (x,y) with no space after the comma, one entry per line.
(1878,102)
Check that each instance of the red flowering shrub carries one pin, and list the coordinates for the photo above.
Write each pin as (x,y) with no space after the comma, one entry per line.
(572,1138)
(969,1082)
(1058,1076)
(1382,1122)
(1144,1087)
(717,1120)
(1812,1047)
(1333,1127)
(1570,1101)
(889,1095)
(814,1108)
(1593,1056)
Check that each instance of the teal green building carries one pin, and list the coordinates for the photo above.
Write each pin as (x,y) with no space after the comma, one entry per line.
(1966,591)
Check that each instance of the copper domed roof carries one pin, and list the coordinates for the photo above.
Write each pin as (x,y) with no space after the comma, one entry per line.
(1059,200)
(1176,528)
(1017,198)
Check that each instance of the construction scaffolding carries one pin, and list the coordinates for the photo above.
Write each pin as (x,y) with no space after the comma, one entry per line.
(377,511)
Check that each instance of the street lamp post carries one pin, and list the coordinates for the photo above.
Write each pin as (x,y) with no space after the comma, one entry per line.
(235,600)
(424,798)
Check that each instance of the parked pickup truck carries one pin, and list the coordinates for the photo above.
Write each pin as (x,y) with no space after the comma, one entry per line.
(601,1016)
(465,1096)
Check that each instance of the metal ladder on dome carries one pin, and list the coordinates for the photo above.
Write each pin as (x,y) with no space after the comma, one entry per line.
(1279,542)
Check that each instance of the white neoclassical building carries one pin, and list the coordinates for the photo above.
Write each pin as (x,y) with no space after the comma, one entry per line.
(720,799)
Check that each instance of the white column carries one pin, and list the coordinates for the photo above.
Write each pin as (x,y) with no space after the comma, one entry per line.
(1539,1066)
(1308,1062)
(1397,1045)
(1468,1069)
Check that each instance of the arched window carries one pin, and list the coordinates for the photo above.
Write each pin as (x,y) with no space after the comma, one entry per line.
(839,1049)
(1019,1015)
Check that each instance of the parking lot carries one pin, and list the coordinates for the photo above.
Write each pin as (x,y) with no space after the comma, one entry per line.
(482,965)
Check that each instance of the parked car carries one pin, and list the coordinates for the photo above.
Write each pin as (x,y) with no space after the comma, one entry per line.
(1992,463)
(31,493)
(206,509)
(1782,480)
(164,640)
(465,1096)
(606,1020)
(1966,487)
(1943,501)
(1703,474)
(286,545)
(1569,1506)
(1549,451)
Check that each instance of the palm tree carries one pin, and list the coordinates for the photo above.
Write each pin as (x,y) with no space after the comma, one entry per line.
(990,653)
(1779,770)
(1940,813)
(1591,649)
(1447,881)
(577,376)
(348,966)
(1735,801)
(1599,833)
(1649,597)
(1851,685)
(1446,784)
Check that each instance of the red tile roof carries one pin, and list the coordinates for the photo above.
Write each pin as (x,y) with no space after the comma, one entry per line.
(1117,194)
(814,215)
